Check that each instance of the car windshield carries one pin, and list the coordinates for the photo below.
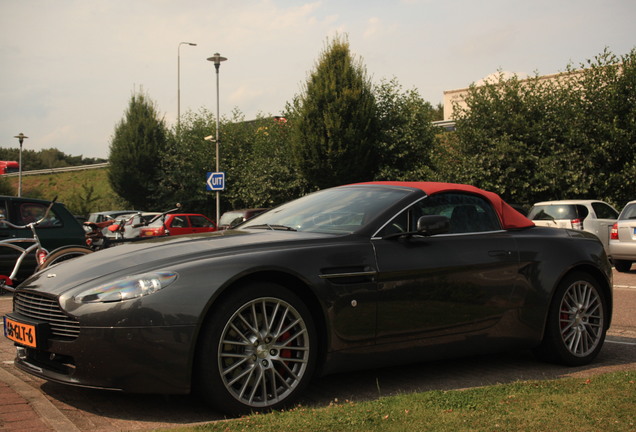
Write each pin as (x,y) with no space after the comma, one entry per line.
(336,211)
(557,212)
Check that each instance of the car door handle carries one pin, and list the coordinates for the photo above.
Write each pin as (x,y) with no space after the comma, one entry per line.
(499,253)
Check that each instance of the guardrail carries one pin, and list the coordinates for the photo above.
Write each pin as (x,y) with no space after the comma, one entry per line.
(59,170)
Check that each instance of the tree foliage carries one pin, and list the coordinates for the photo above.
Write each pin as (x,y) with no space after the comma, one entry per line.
(335,121)
(406,134)
(268,176)
(536,139)
(254,154)
(185,160)
(135,153)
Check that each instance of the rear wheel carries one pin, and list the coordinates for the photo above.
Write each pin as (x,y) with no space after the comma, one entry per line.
(257,351)
(63,255)
(576,326)
(622,266)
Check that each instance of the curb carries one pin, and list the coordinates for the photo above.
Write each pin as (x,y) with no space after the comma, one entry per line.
(25,407)
(43,408)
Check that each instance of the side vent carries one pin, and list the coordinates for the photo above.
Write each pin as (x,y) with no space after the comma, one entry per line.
(348,275)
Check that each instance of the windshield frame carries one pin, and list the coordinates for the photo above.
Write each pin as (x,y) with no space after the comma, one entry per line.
(339,211)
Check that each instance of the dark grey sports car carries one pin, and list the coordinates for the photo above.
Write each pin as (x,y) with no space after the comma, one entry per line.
(350,277)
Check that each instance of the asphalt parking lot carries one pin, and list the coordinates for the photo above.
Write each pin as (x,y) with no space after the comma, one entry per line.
(28,403)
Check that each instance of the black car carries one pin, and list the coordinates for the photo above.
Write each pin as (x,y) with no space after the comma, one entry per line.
(60,229)
(351,277)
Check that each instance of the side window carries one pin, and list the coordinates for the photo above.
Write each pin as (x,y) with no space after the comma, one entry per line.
(603,211)
(467,214)
(199,222)
(179,222)
(399,224)
(32,212)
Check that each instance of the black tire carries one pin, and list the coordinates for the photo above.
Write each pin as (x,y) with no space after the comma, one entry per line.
(257,350)
(622,266)
(577,322)
(64,254)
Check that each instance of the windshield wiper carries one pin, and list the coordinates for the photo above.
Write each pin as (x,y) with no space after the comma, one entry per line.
(273,227)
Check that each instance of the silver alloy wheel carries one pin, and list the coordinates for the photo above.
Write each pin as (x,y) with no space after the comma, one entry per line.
(581,317)
(263,352)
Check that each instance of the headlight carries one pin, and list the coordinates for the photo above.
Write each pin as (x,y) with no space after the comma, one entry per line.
(128,288)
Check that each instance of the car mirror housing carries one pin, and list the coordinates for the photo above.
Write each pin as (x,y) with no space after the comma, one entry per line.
(433,225)
(426,226)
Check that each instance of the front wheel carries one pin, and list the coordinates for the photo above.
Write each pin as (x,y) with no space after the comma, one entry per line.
(257,351)
(577,322)
(64,254)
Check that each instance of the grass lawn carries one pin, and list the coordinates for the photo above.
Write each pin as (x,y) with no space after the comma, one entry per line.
(601,403)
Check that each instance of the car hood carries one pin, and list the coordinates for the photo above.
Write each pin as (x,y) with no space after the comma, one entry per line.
(161,253)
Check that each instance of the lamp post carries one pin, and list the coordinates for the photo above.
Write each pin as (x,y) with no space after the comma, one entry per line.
(20,138)
(179,81)
(217,59)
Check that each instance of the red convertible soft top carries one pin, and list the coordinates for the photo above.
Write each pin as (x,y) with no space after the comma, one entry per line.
(510,218)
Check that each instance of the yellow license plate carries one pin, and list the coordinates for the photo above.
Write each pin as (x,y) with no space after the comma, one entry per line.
(24,334)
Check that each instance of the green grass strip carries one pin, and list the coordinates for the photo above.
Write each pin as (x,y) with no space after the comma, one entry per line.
(601,403)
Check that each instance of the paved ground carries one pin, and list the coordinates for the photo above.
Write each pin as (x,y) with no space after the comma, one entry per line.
(31,404)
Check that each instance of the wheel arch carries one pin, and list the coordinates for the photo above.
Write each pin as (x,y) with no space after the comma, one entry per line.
(602,279)
(291,282)
(558,347)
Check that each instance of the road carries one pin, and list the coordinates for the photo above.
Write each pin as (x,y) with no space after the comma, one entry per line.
(73,409)
(624,318)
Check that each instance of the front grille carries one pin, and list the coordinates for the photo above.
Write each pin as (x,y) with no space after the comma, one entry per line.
(35,306)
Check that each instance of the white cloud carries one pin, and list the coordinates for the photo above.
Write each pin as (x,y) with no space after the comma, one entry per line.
(69,67)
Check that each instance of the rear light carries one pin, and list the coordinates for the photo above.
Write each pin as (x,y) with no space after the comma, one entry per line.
(614,232)
(41,256)
(152,232)
(577,224)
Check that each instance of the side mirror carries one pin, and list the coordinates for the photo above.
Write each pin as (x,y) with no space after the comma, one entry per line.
(433,225)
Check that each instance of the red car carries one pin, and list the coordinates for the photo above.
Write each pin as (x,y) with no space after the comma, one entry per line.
(179,224)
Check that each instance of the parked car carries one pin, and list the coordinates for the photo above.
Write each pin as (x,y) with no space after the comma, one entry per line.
(622,243)
(175,224)
(104,216)
(345,278)
(58,230)
(593,216)
(232,218)
(133,223)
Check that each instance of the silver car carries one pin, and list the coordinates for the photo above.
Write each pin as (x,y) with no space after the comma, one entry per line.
(132,224)
(593,216)
(622,243)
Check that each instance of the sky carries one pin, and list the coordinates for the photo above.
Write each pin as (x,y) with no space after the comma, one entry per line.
(68,68)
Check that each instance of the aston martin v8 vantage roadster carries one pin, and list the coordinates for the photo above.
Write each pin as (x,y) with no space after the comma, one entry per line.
(351,277)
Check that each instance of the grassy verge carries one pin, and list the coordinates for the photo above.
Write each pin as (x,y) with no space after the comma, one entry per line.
(602,403)
(82,192)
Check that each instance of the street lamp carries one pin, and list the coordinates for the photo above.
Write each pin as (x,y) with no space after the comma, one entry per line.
(179,81)
(217,59)
(20,138)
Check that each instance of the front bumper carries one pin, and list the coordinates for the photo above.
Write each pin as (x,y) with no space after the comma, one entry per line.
(130,359)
